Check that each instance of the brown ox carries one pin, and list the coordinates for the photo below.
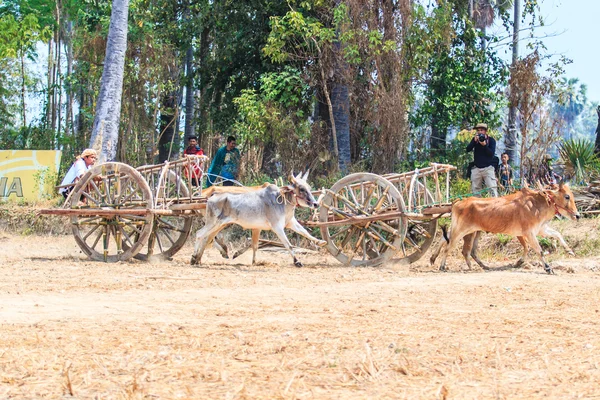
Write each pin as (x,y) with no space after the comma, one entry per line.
(523,214)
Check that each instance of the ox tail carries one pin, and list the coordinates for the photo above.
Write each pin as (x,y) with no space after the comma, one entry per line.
(445,233)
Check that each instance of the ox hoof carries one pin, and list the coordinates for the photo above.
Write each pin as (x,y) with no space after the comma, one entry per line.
(443,268)
(193,261)
(519,263)
(298,264)
(549,270)
(571,253)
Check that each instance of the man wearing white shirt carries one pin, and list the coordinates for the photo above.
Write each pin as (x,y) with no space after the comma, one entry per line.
(79,167)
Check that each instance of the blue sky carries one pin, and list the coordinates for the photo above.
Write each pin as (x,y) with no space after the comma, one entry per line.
(573,27)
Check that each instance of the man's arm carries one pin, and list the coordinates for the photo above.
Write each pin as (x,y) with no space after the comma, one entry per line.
(471,145)
(217,163)
(80,169)
(490,148)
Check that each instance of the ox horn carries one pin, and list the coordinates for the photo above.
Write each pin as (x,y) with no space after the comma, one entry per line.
(305,176)
(292,178)
(539,185)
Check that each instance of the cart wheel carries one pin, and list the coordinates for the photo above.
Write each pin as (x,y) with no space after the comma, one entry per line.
(169,232)
(420,234)
(107,187)
(368,243)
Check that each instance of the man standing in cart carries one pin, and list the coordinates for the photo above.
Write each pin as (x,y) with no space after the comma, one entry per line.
(225,164)
(484,148)
(195,175)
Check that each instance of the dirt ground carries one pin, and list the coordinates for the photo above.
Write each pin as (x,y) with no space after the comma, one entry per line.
(228,330)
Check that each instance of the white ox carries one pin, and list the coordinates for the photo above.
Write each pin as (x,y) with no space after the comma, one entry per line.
(523,214)
(269,208)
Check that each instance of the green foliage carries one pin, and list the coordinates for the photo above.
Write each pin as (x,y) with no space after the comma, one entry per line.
(296,37)
(259,179)
(545,243)
(287,88)
(47,180)
(277,111)
(579,159)
(503,239)
(460,188)
(461,81)
(18,36)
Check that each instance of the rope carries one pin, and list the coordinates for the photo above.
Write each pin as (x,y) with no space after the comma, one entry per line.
(237,183)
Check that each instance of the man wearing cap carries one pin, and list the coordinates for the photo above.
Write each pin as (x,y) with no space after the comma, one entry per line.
(79,167)
(484,147)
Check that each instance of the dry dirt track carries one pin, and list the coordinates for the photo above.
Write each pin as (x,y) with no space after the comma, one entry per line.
(325,331)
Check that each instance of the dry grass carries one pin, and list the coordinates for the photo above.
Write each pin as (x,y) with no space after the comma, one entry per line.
(228,330)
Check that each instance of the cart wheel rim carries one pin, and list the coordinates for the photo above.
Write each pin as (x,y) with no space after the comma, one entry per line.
(107,187)
(363,244)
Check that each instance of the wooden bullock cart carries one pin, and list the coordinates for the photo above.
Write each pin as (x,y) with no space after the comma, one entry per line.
(118,212)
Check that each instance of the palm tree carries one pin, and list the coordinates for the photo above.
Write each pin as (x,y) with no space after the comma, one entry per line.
(484,12)
(340,102)
(105,130)
(570,102)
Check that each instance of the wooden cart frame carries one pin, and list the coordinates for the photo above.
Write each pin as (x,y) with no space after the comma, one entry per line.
(118,212)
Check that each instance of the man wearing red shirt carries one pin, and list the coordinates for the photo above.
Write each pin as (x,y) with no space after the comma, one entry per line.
(195,150)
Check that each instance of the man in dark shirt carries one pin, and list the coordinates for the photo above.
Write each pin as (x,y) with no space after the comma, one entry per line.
(484,147)
(226,164)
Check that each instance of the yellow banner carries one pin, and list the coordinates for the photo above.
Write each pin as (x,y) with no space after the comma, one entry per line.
(28,174)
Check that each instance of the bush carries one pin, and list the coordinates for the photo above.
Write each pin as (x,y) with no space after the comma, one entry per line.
(579,158)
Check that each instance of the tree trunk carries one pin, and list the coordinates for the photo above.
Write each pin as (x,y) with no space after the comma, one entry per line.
(49,85)
(204,140)
(598,132)
(340,103)
(108,108)
(58,88)
(69,123)
(341,116)
(24,114)
(437,141)
(167,127)
(269,160)
(189,93)
(510,140)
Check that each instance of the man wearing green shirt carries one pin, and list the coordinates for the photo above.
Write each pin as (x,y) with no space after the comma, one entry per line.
(225,164)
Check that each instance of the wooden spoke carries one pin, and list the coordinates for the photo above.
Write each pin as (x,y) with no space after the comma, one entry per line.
(169,233)
(339,232)
(126,235)
(91,231)
(352,197)
(98,237)
(419,234)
